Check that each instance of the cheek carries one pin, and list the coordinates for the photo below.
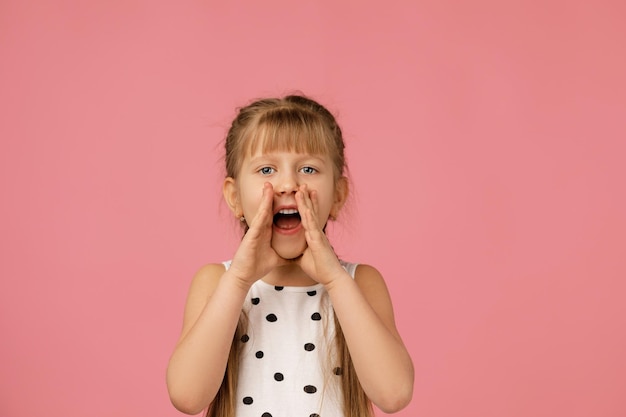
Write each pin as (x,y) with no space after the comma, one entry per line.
(250,199)
(325,202)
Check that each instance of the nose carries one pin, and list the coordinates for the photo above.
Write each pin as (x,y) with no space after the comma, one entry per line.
(286,183)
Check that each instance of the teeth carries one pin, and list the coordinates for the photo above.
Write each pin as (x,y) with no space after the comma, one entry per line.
(288,211)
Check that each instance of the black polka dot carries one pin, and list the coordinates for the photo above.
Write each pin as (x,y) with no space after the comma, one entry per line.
(311,293)
(309,347)
(256,300)
(245,338)
(278,288)
(316,316)
(247,400)
(337,371)
(310,389)
(266,415)
(271,318)
(259,354)
(278,376)
(314,415)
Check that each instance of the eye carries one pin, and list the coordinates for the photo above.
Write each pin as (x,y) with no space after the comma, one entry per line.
(266,170)
(308,170)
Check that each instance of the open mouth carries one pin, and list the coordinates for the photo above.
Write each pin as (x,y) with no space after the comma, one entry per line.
(287,219)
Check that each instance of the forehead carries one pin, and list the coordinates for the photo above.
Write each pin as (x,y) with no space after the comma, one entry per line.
(298,138)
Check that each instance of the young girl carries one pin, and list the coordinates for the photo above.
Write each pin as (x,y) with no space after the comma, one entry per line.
(286,329)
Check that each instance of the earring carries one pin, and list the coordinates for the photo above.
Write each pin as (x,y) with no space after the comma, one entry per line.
(242,219)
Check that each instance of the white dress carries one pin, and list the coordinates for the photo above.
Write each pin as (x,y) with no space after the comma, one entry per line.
(289,365)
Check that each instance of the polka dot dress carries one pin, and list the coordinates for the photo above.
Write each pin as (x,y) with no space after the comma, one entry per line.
(289,365)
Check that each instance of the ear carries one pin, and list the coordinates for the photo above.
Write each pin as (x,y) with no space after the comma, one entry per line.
(342,189)
(231,196)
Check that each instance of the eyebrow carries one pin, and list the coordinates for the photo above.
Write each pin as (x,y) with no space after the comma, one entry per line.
(269,155)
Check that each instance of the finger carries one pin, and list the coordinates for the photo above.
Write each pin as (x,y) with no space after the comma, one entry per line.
(263,217)
(305,208)
(314,201)
(266,206)
(313,232)
(313,204)
(307,198)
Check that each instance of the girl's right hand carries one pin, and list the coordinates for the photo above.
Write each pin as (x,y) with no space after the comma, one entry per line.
(255,256)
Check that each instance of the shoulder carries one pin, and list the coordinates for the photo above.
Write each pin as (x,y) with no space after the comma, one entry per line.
(366,276)
(202,287)
(372,284)
(213,269)
(209,272)
(204,283)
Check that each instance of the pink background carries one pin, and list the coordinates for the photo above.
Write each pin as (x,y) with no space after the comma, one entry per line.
(486,141)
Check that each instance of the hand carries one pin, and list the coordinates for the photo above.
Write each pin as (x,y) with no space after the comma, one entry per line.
(255,256)
(319,260)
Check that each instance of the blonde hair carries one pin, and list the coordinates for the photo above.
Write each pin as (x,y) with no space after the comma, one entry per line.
(300,124)
(293,123)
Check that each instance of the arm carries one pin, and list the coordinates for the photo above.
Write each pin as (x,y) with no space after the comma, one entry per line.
(381,361)
(363,308)
(196,368)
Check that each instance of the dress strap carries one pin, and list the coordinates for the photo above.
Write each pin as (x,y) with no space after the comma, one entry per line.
(348,266)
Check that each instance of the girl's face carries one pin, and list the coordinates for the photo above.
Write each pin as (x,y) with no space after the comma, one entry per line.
(286,171)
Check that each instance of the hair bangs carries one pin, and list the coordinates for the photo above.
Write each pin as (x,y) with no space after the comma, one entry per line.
(290,130)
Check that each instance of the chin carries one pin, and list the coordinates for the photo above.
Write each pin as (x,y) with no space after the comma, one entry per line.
(289,252)
(291,257)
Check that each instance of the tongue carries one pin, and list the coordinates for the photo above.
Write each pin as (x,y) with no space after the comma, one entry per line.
(287,221)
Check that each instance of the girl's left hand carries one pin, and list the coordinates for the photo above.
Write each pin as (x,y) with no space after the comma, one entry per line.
(319,260)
